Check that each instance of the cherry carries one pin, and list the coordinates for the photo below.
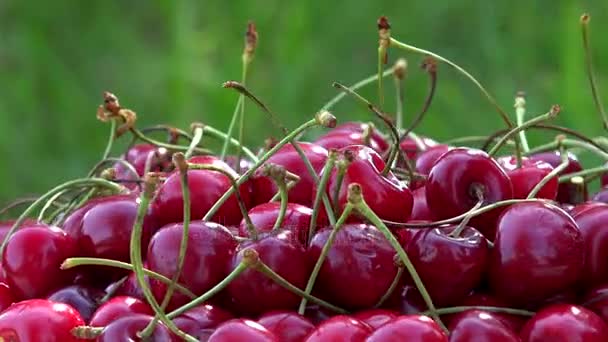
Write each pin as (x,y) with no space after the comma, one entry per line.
(420,209)
(407,300)
(592,224)
(208,254)
(526,177)
(118,307)
(84,299)
(126,329)
(242,330)
(601,195)
(244,163)
(461,178)
(596,300)
(263,216)
(317,314)
(450,266)
(287,326)
(254,293)
(538,252)
(340,328)
(130,287)
(580,208)
(5,226)
(513,322)
(201,320)
(138,154)
(376,318)
(564,322)
(409,328)
(480,325)
(359,267)
(6,296)
(353,133)
(428,158)
(32,257)
(264,188)
(567,192)
(39,320)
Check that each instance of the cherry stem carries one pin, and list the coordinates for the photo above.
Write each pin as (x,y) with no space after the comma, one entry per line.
(196,139)
(384,33)
(552,113)
(171,147)
(173,133)
(463,224)
(392,287)
(111,139)
(497,309)
(585,173)
(50,203)
(554,173)
(128,166)
(400,71)
(366,81)
(290,183)
(321,189)
(569,143)
(520,113)
(74,204)
(75,262)
(235,143)
(324,251)
(474,139)
(86,332)
(235,115)
(17,203)
(278,174)
(585,18)
(487,95)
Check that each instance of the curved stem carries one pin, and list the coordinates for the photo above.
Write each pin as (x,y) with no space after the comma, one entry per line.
(196,139)
(170,147)
(399,76)
(284,201)
(111,139)
(16,203)
(50,203)
(585,18)
(585,173)
(231,126)
(497,309)
(554,173)
(430,65)
(569,143)
(128,166)
(463,224)
(321,189)
(520,113)
(221,135)
(74,204)
(391,288)
(366,81)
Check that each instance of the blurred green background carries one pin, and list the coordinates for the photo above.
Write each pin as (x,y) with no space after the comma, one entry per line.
(167,60)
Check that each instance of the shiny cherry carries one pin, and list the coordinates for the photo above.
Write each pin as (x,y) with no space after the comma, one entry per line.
(353,133)
(580,208)
(5,226)
(287,326)
(538,253)
(138,154)
(528,175)
(592,224)
(242,330)
(513,322)
(84,299)
(564,322)
(477,325)
(317,314)
(208,254)
(39,320)
(201,320)
(126,329)
(263,216)
(340,328)
(428,158)
(567,192)
(420,209)
(375,318)
(118,307)
(358,269)
(32,258)
(596,300)
(411,147)
(6,296)
(129,287)
(409,328)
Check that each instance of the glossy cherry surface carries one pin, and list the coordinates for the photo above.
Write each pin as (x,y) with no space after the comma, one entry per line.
(376,318)
(84,299)
(567,192)
(354,133)
(409,328)
(340,328)
(596,300)
(592,224)
(428,158)
(39,320)
(477,325)
(538,253)
(126,329)
(414,149)
(208,254)
(528,175)
(359,267)
(118,307)
(287,326)
(513,322)
(420,209)
(138,154)
(6,296)
(263,216)
(242,330)
(201,320)
(564,322)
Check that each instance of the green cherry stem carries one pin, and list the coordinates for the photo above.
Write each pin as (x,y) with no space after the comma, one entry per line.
(128,166)
(392,287)
(497,309)
(235,115)
(569,143)
(465,221)
(400,71)
(554,173)
(17,203)
(366,81)
(213,132)
(171,147)
(197,135)
(585,18)
(520,114)
(50,203)
(111,138)
(321,189)
(585,173)
(384,33)
(278,175)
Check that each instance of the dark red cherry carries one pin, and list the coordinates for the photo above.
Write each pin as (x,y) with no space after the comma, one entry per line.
(409,328)
(601,195)
(242,330)
(580,208)
(449,266)
(126,329)
(428,158)
(254,293)
(39,320)
(596,300)
(412,148)
(201,320)
(564,322)
(5,226)
(457,180)
(138,154)
(526,177)
(287,326)
(567,192)
(118,307)
(358,269)
(592,224)
(407,300)
(263,216)
(538,253)
(353,133)
(420,210)
(513,322)
(317,314)
(84,299)
(340,328)
(130,287)
(206,187)
(208,254)
(32,258)
(477,325)
(6,296)
(387,196)
(264,188)
(375,318)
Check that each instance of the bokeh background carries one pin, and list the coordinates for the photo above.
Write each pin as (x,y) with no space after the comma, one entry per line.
(167,60)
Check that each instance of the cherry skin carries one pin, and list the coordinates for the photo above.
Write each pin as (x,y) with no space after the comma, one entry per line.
(449,266)
(428,158)
(126,329)
(118,307)
(137,156)
(6,296)
(130,287)
(32,259)
(513,322)
(477,325)
(208,254)
(601,196)
(409,328)
(592,224)
(242,330)
(410,147)
(340,328)
(318,314)
(580,208)
(420,210)
(5,226)
(263,216)
(264,188)
(201,320)
(353,133)
(564,322)
(526,177)
(84,299)
(287,326)
(376,318)
(39,320)
(596,300)
(567,192)
(538,253)
(457,180)
(358,269)
(254,293)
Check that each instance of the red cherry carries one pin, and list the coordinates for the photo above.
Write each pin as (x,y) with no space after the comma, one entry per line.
(428,158)
(201,320)
(592,224)
(6,296)
(84,299)
(118,307)
(5,226)
(340,328)
(513,322)
(318,314)
(538,252)
(596,300)
(126,329)
(450,267)
(526,177)
(480,325)
(242,330)
(359,267)
(287,326)
(137,156)
(420,210)
(411,149)
(130,287)
(208,254)
(32,258)
(352,133)
(39,320)
(564,322)
(264,188)
(297,219)
(376,318)
(567,192)
(409,328)
(254,293)
(602,195)
(580,208)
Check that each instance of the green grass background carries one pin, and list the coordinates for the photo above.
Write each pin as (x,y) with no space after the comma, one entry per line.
(167,60)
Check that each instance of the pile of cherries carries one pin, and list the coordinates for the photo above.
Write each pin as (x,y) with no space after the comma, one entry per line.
(356,235)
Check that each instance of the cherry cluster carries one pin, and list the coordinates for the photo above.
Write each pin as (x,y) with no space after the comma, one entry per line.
(359,234)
